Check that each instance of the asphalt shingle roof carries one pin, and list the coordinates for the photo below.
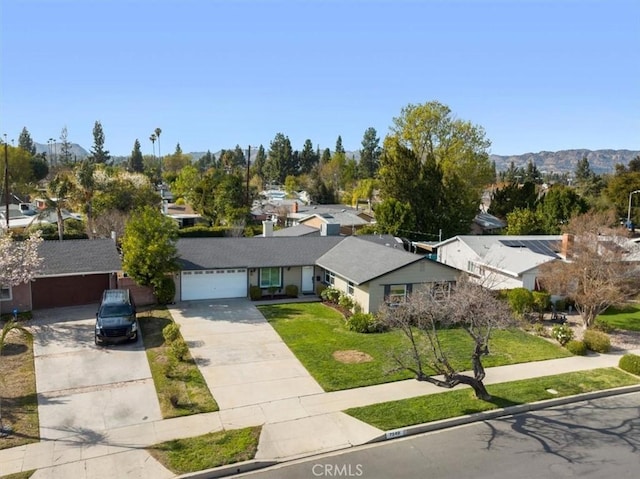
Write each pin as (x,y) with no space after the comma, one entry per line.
(257,252)
(79,256)
(360,261)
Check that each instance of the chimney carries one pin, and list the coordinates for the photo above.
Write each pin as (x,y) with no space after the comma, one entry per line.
(294,207)
(267,228)
(567,246)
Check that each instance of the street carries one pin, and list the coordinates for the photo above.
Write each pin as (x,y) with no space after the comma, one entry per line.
(598,438)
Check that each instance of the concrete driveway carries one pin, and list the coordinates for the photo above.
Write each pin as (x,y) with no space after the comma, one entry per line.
(86,390)
(242,358)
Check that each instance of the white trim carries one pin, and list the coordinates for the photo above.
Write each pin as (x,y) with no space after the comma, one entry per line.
(10,295)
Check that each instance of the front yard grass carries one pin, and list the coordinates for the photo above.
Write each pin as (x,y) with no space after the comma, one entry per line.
(623,318)
(314,332)
(18,398)
(215,449)
(183,390)
(460,402)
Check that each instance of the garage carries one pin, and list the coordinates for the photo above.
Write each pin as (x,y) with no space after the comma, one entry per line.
(214,284)
(55,292)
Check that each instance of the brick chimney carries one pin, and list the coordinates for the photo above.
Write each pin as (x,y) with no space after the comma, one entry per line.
(566,249)
(294,207)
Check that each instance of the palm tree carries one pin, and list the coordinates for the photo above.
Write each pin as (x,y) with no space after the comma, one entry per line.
(153,138)
(157,132)
(85,190)
(57,196)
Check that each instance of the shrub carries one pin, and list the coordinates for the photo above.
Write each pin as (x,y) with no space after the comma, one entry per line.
(520,300)
(345,301)
(597,341)
(562,333)
(331,294)
(178,349)
(365,323)
(630,363)
(561,305)
(291,290)
(541,301)
(602,326)
(540,330)
(576,347)
(165,290)
(255,293)
(320,289)
(171,332)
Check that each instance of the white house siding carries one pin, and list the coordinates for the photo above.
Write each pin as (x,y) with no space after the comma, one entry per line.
(458,255)
(421,272)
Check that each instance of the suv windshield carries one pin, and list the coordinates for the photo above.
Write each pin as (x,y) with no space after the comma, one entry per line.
(115,310)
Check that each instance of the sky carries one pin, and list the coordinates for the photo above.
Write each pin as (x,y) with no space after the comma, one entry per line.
(541,75)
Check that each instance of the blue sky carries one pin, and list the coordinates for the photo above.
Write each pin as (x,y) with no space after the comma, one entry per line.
(536,75)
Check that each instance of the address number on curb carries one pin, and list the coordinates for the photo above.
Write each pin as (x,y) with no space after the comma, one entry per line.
(394,434)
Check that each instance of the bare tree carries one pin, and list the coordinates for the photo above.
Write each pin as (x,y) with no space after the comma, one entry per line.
(424,315)
(599,271)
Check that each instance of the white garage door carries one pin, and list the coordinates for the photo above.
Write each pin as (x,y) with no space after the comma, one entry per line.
(214,284)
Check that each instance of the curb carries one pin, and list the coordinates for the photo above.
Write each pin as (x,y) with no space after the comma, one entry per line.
(248,466)
(496,413)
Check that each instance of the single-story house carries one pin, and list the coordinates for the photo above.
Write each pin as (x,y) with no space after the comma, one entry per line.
(213,268)
(73,272)
(502,262)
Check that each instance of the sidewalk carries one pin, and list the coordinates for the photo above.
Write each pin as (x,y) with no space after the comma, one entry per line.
(285,435)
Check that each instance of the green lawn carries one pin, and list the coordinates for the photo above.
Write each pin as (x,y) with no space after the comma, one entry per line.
(314,332)
(460,402)
(623,318)
(211,450)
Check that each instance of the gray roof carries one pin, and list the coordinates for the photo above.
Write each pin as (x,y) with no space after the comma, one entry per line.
(256,252)
(298,230)
(70,257)
(360,261)
(343,218)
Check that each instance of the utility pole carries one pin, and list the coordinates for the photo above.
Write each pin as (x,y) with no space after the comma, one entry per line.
(6,181)
(248,165)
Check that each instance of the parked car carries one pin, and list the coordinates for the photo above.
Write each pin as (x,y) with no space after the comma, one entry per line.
(116,319)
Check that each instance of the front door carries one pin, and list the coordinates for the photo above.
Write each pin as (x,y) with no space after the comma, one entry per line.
(307,279)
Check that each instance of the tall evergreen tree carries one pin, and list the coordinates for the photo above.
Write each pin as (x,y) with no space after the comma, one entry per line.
(280,161)
(239,159)
(339,147)
(136,162)
(98,154)
(369,154)
(259,162)
(25,142)
(308,157)
(326,156)
(65,147)
(207,161)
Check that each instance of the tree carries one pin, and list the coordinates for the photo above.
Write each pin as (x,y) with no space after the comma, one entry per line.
(617,192)
(208,160)
(157,132)
(25,142)
(57,195)
(149,246)
(427,312)
(559,204)
(185,184)
(512,196)
(326,156)
(19,260)
(369,154)
(451,154)
(172,164)
(395,218)
(20,170)
(339,147)
(523,221)
(279,162)
(308,157)
(596,274)
(532,174)
(65,147)
(84,191)
(136,162)
(98,154)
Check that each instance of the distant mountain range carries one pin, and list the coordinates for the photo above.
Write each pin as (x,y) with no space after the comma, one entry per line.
(77,152)
(563,161)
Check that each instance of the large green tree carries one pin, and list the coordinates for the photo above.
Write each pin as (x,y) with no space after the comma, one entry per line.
(98,154)
(449,154)
(25,142)
(280,162)
(308,157)
(136,162)
(369,154)
(558,205)
(65,148)
(149,246)
(511,196)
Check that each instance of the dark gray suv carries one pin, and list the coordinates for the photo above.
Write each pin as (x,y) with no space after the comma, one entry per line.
(116,319)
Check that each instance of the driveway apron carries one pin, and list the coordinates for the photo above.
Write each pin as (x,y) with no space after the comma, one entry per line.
(242,358)
(86,390)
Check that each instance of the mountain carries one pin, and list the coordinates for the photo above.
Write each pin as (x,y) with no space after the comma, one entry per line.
(77,152)
(565,161)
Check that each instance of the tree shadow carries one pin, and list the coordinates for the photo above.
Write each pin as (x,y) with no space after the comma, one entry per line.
(13,349)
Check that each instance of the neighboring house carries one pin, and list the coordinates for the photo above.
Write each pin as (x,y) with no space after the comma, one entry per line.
(348,221)
(73,272)
(486,224)
(502,262)
(298,230)
(184,215)
(214,268)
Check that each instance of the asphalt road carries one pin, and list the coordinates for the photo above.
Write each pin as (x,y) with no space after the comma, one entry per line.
(598,438)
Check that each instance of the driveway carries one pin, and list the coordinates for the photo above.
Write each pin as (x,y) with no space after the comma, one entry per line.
(85,390)
(242,358)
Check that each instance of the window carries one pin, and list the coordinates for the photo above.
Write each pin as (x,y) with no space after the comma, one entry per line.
(5,293)
(441,291)
(397,293)
(329,278)
(270,278)
(350,288)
